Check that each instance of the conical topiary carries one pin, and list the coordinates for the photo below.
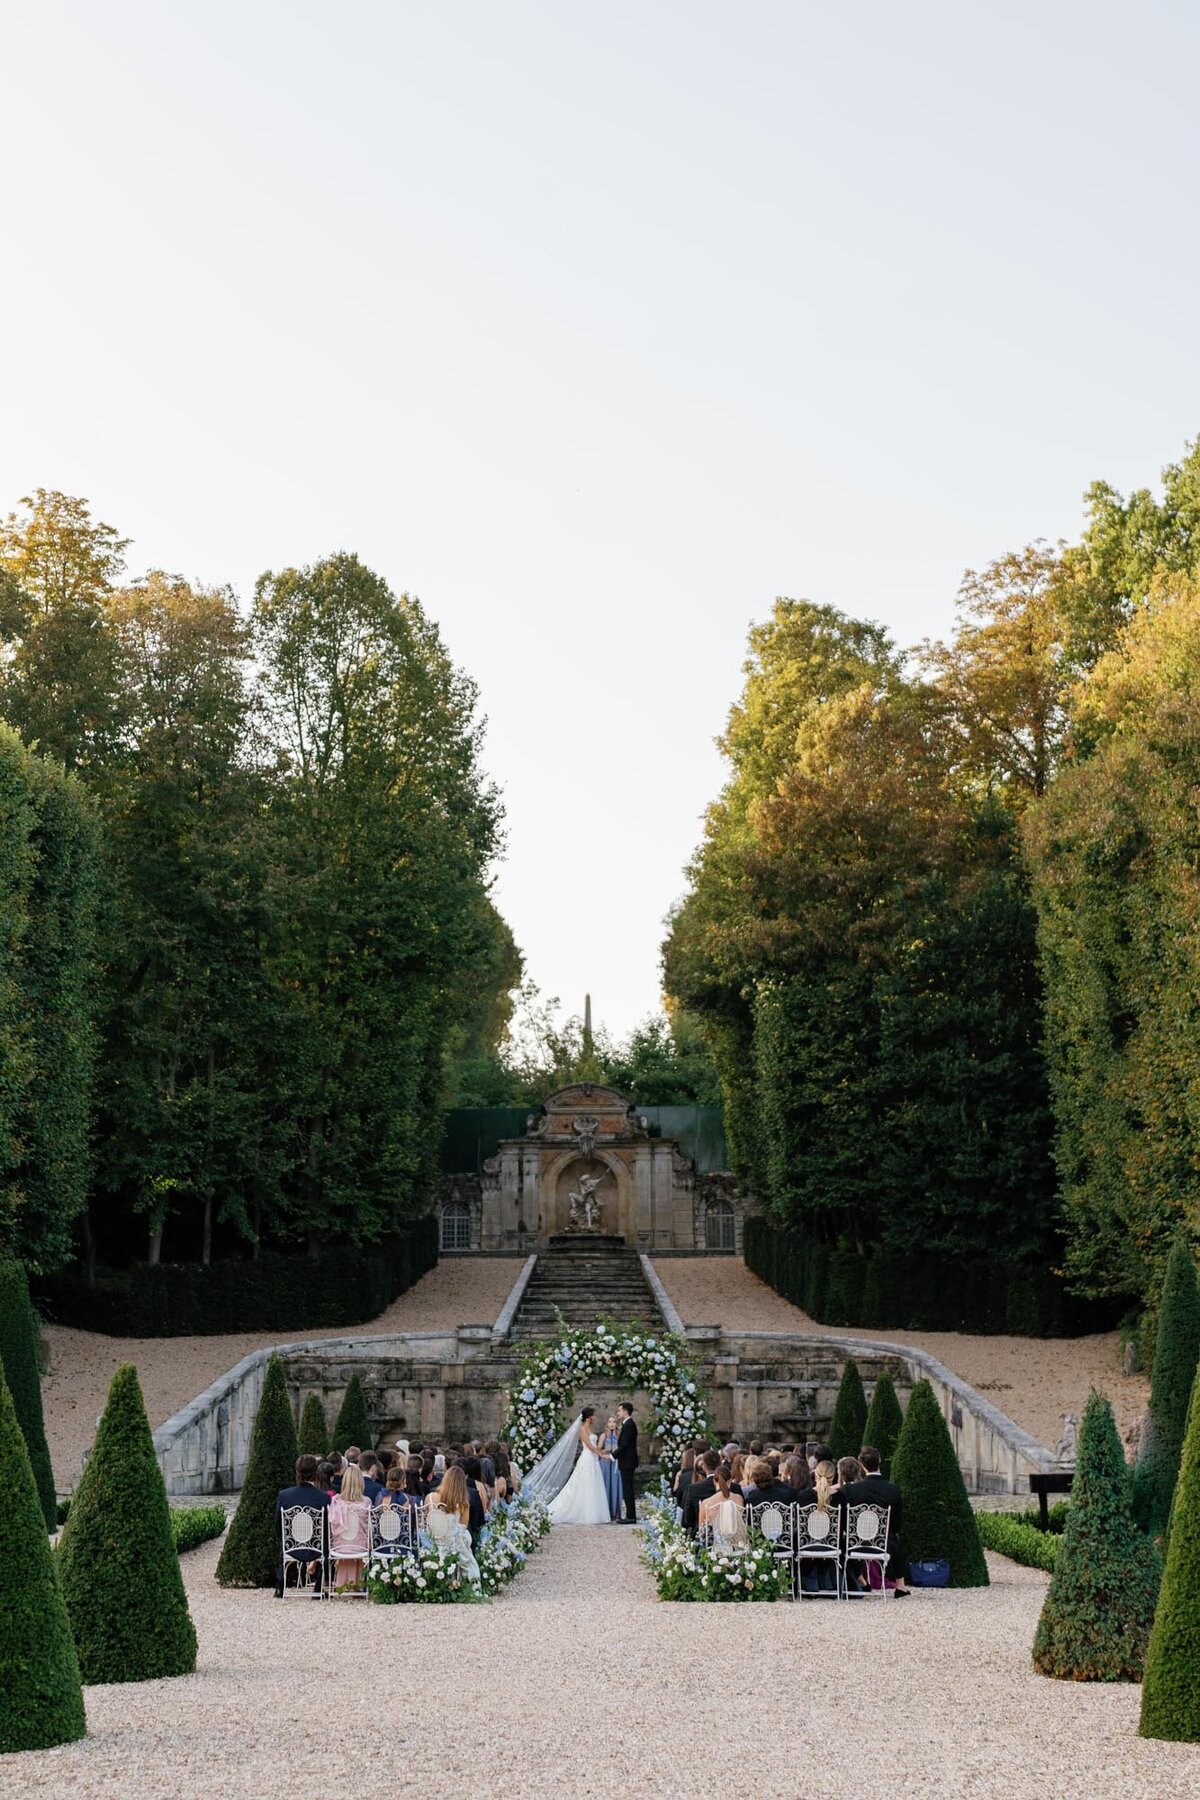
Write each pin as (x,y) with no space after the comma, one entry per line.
(19,1347)
(314,1431)
(117,1557)
(41,1701)
(849,1414)
(353,1425)
(1176,1353)
(938,1521)
(251,1551)
(1096,1618)
(1171,1683)
(884,1421)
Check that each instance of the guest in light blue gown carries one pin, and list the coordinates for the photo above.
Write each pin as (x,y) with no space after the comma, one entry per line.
(609,1469)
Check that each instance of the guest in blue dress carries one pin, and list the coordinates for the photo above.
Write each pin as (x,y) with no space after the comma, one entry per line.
(609,1469)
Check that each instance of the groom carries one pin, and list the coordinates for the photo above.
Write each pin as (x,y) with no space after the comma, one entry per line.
(627,1461)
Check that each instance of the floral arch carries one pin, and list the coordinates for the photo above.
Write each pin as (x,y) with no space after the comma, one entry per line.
(656,1364)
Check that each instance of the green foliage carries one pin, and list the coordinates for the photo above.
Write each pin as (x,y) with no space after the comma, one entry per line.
(250,1554)
(192,1526)
(41,1701)
(353,1421)
(884,1421)
(1171,1684)
(849,1413)
(1019,1540)
(1095,1622)
(270,1293)
(938,1520)
(1176,1355)
(313,1438)
(19,1346)
(117,1557)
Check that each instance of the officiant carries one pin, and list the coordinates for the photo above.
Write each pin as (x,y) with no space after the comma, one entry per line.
(609,1469)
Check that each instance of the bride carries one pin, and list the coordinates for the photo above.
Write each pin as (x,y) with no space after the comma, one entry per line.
(583,1498)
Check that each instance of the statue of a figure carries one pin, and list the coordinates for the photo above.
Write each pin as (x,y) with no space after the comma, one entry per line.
(582,1201)
(585,1128)
(1064,1450)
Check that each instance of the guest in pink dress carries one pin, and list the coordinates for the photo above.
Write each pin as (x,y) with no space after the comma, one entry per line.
(349,1528)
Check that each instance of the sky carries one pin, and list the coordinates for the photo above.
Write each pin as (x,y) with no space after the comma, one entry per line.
(598,327)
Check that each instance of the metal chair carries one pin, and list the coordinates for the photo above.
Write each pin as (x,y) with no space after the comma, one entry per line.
(865,1541)
(393,1532)
(819,1544)
(304,1544)
(361,1555)
(776,1525)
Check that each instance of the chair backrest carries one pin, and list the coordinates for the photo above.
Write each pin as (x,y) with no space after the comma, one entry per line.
(303,1528)
(817,1528)
(775,1522)
(391,1530)
(867,1528)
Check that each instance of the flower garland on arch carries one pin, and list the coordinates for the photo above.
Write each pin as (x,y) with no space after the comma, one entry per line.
(657,1364)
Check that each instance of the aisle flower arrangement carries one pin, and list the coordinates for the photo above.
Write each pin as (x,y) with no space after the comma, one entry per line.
(434,1574)
(654,1363)
(685,1570)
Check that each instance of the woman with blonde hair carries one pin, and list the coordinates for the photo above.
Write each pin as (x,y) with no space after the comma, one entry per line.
(447,1518)
(349,1528)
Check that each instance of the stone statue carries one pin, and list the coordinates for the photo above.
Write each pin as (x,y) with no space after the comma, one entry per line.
(585,1128)
(1064,1450)
(585,1208)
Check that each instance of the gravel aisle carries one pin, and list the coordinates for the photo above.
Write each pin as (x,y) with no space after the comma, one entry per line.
(578,1683)
(1033,1380)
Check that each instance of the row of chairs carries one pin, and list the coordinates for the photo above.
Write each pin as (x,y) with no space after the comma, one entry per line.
(392,1531)
(812,1539)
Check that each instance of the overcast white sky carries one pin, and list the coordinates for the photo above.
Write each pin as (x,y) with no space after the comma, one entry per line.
(598,326)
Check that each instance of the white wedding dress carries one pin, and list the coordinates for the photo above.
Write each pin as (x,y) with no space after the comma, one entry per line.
(584,1500)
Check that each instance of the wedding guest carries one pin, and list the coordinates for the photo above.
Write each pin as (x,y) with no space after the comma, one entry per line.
(849,1469)
(399,1491)
(812,1453)
(724,1510)
(818,1574)
(478,1498)
(353,1453)
(325,1477)
(683,1475)
(729,1451)
(503,1484)
(447,1516)
(737,1470)
(415,1480)
(368,1465)
(798,1476)
(870,1488)
(339,1463)
(349,1528)
(756,1446)
(701,1490)
(385,1459)
(307,1492)
(765,1486)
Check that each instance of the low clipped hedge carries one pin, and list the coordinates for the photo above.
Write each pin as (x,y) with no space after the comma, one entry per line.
(891,1291)
(345,1285)
(1011,1535)
(192,1526)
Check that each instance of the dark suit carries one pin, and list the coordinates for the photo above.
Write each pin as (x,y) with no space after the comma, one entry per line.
(873,1490)
(478,1518)
(627,1462)
(372,1488)
(697,1493)
(304,1495)
(777,1491)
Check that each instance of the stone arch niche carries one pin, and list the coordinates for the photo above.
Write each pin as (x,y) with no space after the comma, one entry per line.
(569,1170)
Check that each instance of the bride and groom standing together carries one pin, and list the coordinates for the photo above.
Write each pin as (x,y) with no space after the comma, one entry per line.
(579,1495)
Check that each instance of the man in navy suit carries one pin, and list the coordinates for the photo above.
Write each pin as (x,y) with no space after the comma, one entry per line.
(305,1493)
(627,1461)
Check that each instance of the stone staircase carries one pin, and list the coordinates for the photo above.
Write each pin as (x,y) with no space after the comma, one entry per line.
(586,1278)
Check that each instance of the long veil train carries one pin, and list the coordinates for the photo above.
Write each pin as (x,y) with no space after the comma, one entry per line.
(547,1478)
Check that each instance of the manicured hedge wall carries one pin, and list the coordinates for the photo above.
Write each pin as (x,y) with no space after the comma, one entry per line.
(342,1286)
(892,1292)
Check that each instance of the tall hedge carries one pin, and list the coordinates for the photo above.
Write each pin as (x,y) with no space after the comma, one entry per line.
(1176,1354)
(250,1554)
(313,1438)
(938,1520)
(20,1357)
(849,1413)
(353,1423)
(117,1557)
(41,1700)
(885,1421)
(1096,1618)
(1171,1683)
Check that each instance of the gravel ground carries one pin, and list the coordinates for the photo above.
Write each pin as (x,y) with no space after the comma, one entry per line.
(459,1291)
(579,1683)
(1033,1380)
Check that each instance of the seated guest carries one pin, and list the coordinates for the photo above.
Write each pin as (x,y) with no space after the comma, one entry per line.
(478,1497)
(812,1453)
(818,1574)
(683,1476)
(870,1488)
(729,1451)
(399,1491)
(384,1460)
(725,1511)
(737,1469)
(415,1477)
(306,1492)
(765,1485)
(338,1463)
(756,1446)
(353,1453)
(325,1476)
(701,1490)
(368,1464)
(502,1486)
(349,1528)
(797,1475)
(447,1515)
